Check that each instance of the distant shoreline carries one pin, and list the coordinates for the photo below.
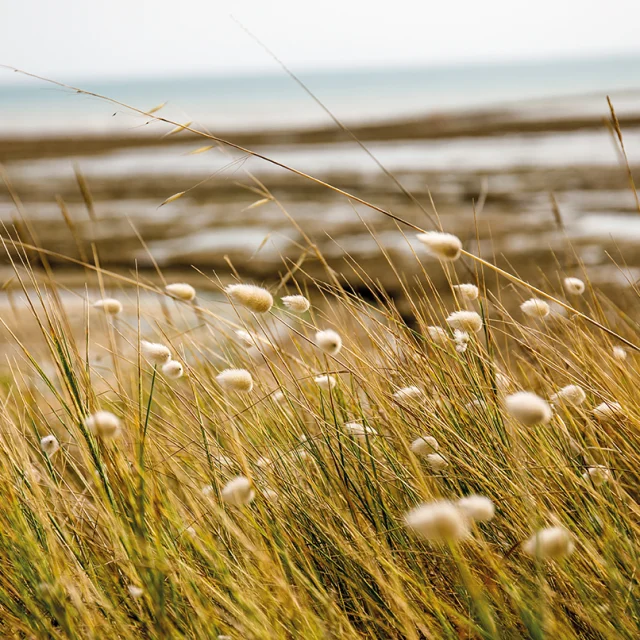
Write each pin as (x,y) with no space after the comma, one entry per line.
(437,126)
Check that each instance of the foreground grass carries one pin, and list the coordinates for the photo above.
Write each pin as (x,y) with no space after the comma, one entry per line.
(131,536)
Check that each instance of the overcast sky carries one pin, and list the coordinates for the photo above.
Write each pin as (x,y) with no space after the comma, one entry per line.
(77,39)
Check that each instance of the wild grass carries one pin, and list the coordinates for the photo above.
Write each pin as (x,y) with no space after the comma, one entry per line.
(140,534)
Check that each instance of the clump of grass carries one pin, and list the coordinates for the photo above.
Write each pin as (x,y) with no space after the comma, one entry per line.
(279,479)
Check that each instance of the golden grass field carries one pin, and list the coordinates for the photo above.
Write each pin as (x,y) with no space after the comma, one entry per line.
(280,501)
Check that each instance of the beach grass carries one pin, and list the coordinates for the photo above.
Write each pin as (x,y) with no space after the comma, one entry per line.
(278,500)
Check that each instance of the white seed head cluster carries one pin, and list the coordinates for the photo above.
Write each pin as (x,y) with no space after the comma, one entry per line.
(408,393)
(468,321)
(502,382)
(439,521)
(444,246)
(135,591)
(181,290)
(238,492)
(438,335)
(254,298)
(326,382)
(299,304)
(461,340)
(359,431)
(552,543)
(329,341)
(424,445)
(436,462)
(619,353)
(49,444)
(173,369)
(467,291)
(608,412)
(528,408)
(571,394)
(239,380)
(109,305)
(246,338)
(574,286)
(477,508)
(535,308)
(154,352)
(103,423)
(598,474)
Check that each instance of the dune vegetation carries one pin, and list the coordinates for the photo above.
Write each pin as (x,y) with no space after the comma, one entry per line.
(291,459)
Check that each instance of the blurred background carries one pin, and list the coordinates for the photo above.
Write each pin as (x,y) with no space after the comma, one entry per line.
(493,115)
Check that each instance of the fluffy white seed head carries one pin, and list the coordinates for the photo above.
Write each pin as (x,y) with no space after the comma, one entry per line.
(299,304)
(436,462)
(477,508)
(239,380)
(408,393)
(551,543)
(181,290)
(155,352)
(424,445)
(502,382)
(254,298)
(571,394)
(270,495)
(359,431)
(528,408)
(263,462)
(461,340)
(245,338)
(467,291)
(438,335)
(608,412)
(49,444)
(103,423)
(238,492)
(110,305)
(535,308)
(207,490)
(598,474)
(326,382)
(619,353)
(173,369)
(444,246)
(574,286)
(135,591)
(329,341)
(439,521)
(468,321)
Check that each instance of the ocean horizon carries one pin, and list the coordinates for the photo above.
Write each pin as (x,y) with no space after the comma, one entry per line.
(270,100)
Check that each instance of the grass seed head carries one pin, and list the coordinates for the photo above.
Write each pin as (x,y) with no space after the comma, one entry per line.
(254,298)
(535,308)
(173,369)
(329,341)
(438,335)
(477,508)
(608,412)
(156,353)
(359,431)
(181,290)
(299,304)
(444,246)
(103,423)
(325,382)
(49,444)
(619,353)
(109,305)
(571,394)
(552,543)
(408,393)
(424,445)
(436,462)
(467,291)
(439,521)
(238,492)
(239,380)
(574,286)
(528,408)
(468,321)
(135,591)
